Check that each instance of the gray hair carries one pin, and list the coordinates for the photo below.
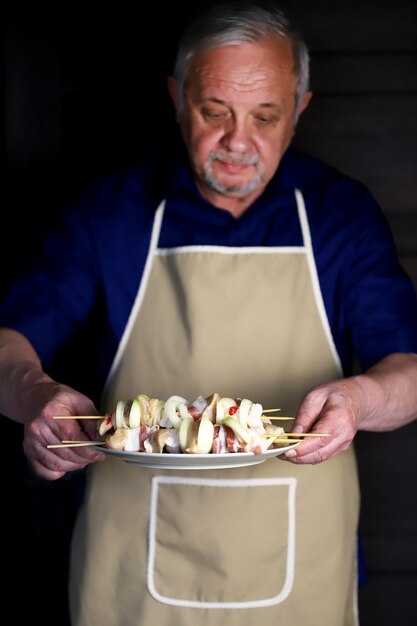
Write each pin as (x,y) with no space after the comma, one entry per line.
(239,23)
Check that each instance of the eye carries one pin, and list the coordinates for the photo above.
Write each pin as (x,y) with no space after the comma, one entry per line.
(264,119)
(214,115)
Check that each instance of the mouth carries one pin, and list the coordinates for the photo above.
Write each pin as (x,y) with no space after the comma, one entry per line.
(234,168)
(233,164)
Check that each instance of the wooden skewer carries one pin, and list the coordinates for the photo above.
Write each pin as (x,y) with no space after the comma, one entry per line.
(98,441)
(296,435)
(278,418)
(100,417)
(77,417)
(308,434)
(75,444)
(284,440)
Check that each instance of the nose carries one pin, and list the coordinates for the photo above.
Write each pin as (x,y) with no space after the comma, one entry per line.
(236,137)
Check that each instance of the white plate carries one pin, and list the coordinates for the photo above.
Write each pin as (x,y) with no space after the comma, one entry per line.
(163,460)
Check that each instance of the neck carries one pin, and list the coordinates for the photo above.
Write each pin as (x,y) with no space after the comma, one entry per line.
(234,205)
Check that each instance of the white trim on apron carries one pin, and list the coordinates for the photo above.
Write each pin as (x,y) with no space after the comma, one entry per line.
(220,483)
(156,229)
(305,229)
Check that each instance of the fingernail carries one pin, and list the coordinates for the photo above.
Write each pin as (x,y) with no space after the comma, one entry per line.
(290,453)
(298,429)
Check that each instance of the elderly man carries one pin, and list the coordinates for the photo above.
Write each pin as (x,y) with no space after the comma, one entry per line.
(241,268)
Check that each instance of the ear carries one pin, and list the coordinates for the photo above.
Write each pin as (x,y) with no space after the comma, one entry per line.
(306,101)
(173,92)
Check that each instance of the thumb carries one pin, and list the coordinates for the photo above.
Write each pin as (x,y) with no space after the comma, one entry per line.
(309,410)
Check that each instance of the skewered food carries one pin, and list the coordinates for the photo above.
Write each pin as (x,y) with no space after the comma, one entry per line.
(213,424)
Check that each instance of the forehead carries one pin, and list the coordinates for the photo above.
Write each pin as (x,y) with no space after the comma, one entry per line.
(261,67)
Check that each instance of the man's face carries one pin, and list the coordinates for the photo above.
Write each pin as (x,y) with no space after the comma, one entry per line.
(238,118)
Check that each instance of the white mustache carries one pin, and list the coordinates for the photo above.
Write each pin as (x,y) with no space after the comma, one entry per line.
(233,159)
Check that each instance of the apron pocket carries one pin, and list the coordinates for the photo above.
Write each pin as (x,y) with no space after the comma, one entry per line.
(204,553)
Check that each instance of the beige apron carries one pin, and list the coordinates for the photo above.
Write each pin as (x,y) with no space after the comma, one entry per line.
(270,544)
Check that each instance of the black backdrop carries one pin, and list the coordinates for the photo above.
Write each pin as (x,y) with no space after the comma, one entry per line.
(85,95)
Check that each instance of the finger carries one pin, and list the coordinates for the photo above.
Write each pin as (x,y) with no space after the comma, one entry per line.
(68,429)
(78,455)
(309,459)
(45,473)
(72,431)
(308,452)
(90,428)
(60,459)
(51,466)
(36,447)
(309,411)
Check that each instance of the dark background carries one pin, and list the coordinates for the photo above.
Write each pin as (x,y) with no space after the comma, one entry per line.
(84,96)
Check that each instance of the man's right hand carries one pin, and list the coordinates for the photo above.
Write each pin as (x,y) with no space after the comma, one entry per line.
(48,400)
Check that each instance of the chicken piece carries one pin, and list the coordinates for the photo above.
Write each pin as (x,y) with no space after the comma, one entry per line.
(124,439)
(156,439)
(132,441)
(273,429)
(172,442)
(117,440)
(155,408)
(255,416)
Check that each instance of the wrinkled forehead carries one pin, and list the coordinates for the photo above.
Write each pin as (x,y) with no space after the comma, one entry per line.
(267,64)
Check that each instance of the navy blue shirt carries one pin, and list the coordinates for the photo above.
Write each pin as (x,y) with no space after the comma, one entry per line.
(96,260)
